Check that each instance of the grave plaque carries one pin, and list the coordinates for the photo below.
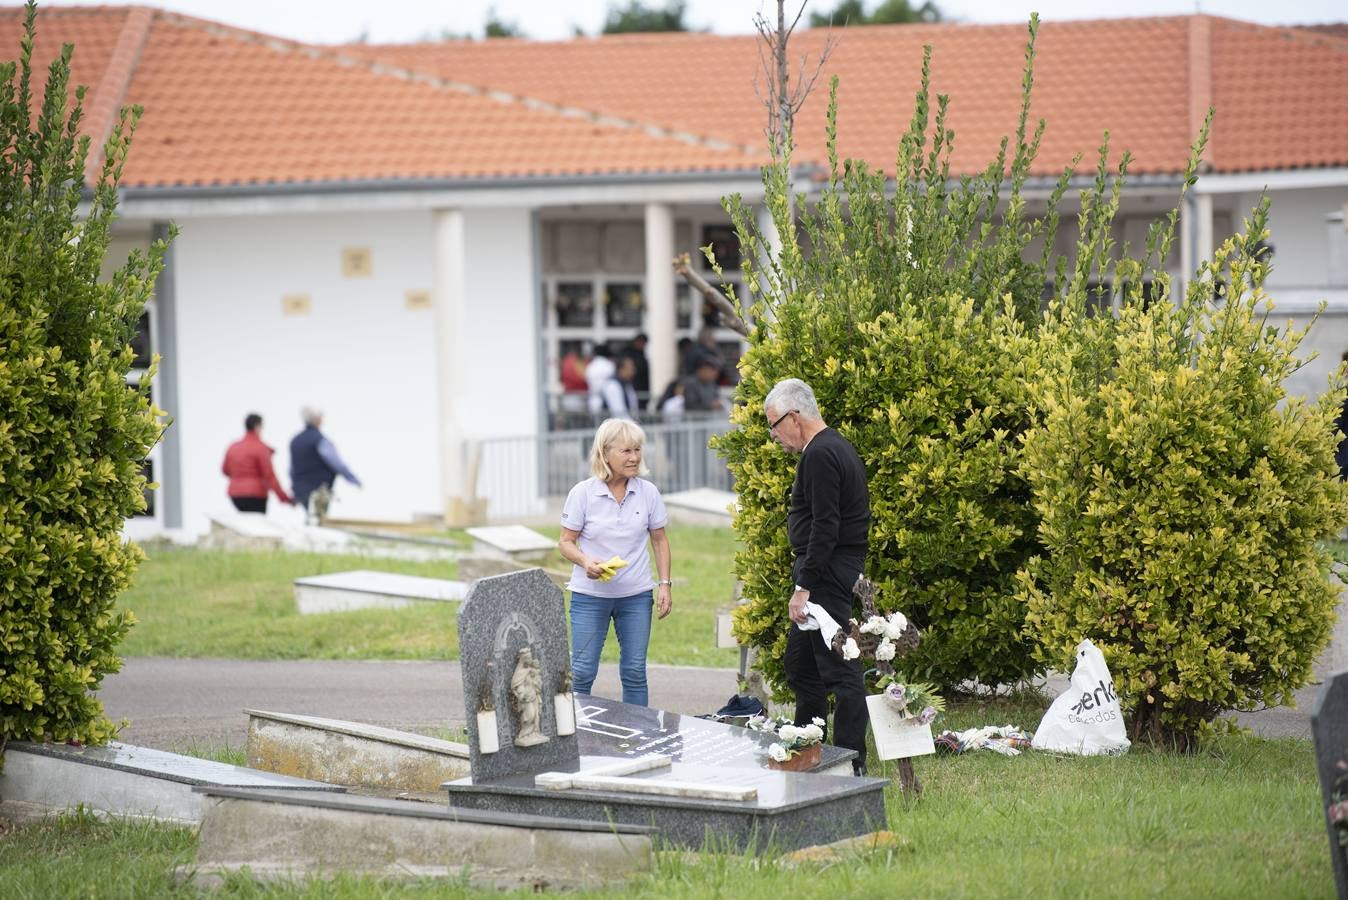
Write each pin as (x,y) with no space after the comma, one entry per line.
(516,676)
(1329,727)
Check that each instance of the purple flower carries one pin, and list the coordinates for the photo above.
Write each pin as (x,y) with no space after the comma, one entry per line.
(927,716)
(896,694)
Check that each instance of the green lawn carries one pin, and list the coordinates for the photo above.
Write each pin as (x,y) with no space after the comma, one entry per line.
(1238,819)
(196,603)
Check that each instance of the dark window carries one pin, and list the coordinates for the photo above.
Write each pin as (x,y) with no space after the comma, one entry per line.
(623,305)
(725,246)
(575,304)
(147,469)
(140,343)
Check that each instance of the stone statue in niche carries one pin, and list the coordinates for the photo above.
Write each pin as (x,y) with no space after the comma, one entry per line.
(526,699)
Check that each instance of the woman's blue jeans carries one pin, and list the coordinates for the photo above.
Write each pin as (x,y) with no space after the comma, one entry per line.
(631,617)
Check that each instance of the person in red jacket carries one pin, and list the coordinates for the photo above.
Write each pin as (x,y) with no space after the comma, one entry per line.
(248,467)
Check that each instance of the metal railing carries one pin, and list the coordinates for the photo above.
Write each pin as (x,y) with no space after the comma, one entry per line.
(522,476)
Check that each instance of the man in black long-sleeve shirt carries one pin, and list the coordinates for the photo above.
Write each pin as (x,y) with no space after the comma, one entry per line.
(828,525)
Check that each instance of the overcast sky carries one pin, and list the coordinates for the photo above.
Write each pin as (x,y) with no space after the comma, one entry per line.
(384,21)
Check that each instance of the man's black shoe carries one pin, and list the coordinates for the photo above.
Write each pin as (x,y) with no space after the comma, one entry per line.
(858,768)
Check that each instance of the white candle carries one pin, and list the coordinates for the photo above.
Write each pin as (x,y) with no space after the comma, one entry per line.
(564,705)
(487,741)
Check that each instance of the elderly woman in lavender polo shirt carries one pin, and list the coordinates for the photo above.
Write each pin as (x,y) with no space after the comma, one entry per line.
(615,513)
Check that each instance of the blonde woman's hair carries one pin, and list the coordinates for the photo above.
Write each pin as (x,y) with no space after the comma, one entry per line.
(610,433)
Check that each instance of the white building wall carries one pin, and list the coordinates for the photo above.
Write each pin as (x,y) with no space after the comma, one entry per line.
(359,353)
(368,357)
(495,386)
(502,343)
(1300,280)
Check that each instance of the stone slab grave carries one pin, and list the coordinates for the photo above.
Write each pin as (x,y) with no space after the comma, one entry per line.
(279,835)
(363,589)
(1329,727)
(609,728)
(515,542)
(352,753)
(124,781)
(525,750)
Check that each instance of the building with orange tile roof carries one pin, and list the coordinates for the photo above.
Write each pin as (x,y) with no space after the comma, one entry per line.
(413,236)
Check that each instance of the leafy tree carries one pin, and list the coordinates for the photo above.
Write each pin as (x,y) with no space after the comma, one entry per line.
(917,303)
(888,12)
(637,16)
(1182,496)
(496,27)
(73,436)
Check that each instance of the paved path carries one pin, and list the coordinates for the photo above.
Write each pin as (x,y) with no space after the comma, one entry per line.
(174,704)
(177,703)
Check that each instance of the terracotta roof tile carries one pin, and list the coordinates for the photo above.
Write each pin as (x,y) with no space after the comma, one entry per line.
(225,106)
(1130,76)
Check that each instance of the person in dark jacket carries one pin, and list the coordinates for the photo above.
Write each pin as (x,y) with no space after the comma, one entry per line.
(828,525)
(248,467)
(641,378)
(314,462)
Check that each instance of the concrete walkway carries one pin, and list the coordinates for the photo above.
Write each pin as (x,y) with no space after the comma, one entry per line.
(174,704)
(178,703)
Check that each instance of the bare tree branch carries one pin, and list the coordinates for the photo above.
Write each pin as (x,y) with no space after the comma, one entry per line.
(783,100)
(730,318)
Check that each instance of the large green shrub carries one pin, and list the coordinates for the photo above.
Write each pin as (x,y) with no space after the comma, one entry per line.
(73,435)
(912,316)
(1181,495)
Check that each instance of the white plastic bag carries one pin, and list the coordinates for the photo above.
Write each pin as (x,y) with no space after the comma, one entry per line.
(1085,719)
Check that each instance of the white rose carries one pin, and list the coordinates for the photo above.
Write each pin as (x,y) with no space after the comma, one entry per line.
(874,625)
(850,649)
(813,734)
(788,733)
(899,619)
(777,752)
(885,651)
(819,723)
(893,630)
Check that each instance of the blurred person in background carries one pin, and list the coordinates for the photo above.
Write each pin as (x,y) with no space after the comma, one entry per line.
(248,467)
(314,462)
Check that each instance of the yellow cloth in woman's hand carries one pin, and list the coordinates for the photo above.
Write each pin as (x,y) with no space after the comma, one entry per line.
(611,567)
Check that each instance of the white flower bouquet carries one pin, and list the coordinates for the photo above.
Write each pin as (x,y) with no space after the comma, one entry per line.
(791,738)
(881,638)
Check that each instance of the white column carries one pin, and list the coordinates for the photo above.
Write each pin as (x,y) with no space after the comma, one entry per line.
(1203,234)
(772,246)
(449,295)
(661,316)
(1195,235)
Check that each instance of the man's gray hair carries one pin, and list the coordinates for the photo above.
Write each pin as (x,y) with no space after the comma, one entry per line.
(792,393)
(310,414)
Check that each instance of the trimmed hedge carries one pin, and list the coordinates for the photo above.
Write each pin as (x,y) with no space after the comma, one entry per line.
(73,435)
(1182,498)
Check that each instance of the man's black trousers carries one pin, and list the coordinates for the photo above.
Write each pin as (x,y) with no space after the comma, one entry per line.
(814,671)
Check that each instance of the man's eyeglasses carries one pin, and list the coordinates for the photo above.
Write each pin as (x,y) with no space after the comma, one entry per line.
(780,420)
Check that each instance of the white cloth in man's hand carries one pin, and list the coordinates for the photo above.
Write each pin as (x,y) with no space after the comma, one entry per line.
(819,620)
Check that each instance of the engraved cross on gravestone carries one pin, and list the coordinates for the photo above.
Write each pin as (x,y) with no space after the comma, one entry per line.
(516,677)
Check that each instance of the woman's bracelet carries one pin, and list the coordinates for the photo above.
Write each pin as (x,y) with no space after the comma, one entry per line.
(664,581)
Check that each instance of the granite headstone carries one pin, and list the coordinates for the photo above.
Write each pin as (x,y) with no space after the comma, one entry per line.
(1329,727)
(516,664)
